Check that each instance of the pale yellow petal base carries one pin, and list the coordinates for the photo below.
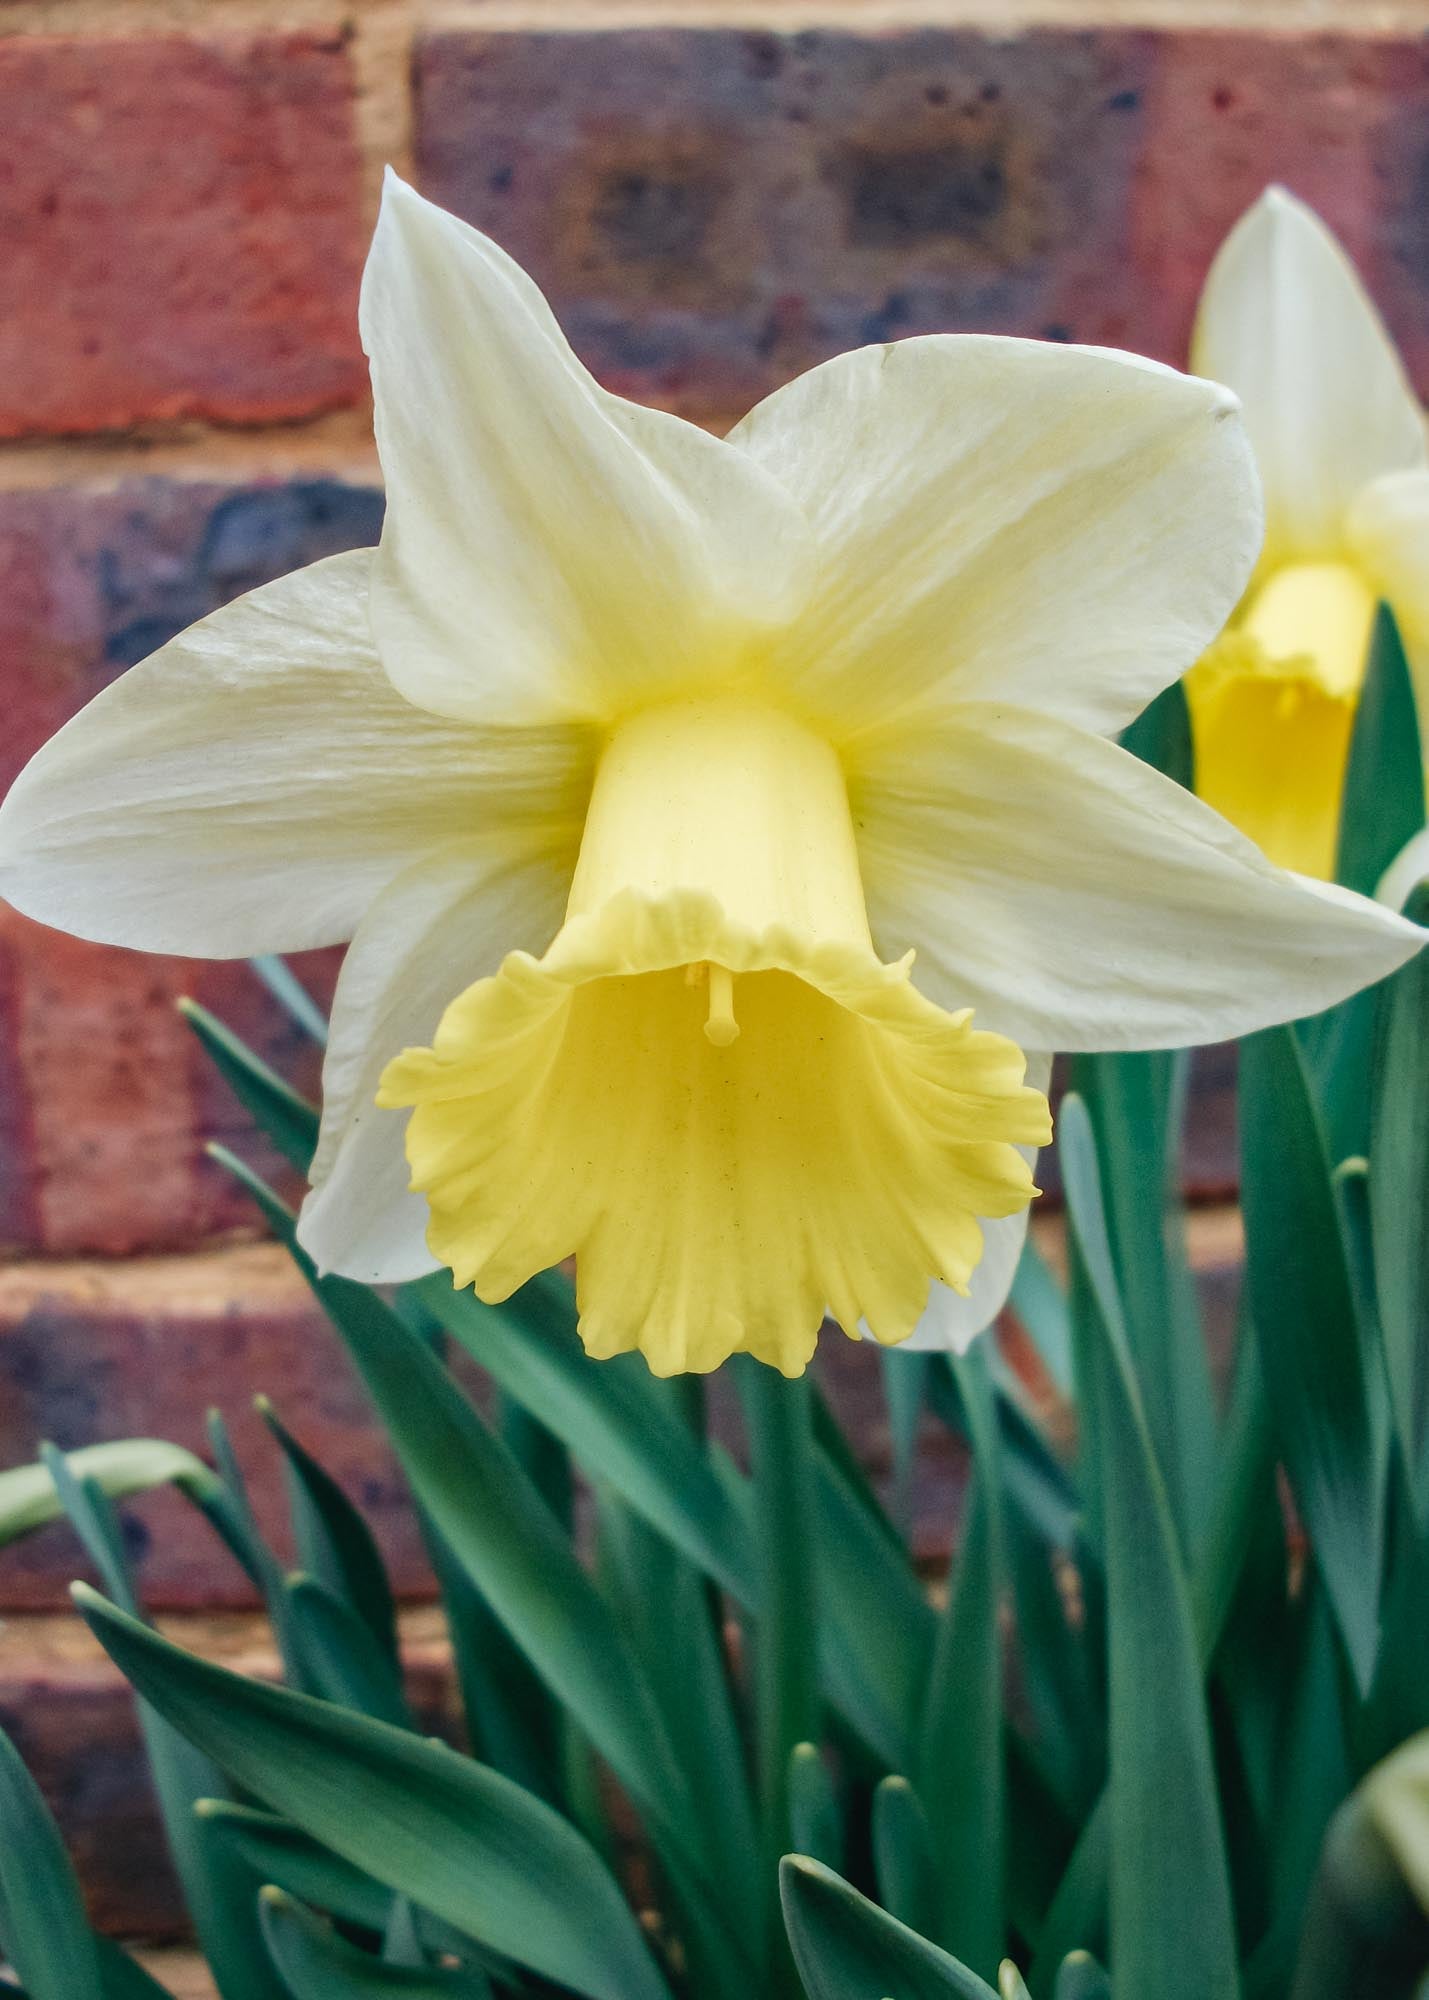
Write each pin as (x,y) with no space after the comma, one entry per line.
(718,1189)
(1273,706)
(1270,752)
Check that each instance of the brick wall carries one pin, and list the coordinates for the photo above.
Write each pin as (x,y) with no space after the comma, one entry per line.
(715,193)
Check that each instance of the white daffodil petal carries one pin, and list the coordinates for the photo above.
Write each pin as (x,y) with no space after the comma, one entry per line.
(1408,869)
(447,921)
(550,550)
(1061,527)
(1078,900)
(1388,531)
(253,784)
(1286,323)
(953,1320)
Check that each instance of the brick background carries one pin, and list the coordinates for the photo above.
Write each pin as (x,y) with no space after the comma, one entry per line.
(716,193)
(712,210)
(182,230)
(106,1101)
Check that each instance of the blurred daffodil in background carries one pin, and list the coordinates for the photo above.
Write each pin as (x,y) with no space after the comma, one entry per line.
(638,765)
(1340,441)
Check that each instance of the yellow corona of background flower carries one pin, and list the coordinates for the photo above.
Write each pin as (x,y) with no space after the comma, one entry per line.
(638,764)
(1339,438)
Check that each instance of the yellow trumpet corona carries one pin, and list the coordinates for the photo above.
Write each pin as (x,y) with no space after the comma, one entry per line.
(1340,444)
(634,766)
(710,1088)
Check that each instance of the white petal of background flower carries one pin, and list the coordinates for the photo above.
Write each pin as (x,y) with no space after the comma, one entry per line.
(1388,533)
(549,549)
(253,784)
(1079,900)
(1061,527)
(446,922)
(1286,323)
(1408,869)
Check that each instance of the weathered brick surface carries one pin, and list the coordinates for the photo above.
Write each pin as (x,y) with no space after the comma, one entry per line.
(72,1716)
(90,1351)
(712,209)
(181,230)
(1344,121)
(106,1101)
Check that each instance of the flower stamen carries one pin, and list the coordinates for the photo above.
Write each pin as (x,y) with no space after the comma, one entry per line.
(721,1027)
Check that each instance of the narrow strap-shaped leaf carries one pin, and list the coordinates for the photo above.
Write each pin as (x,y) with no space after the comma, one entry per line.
(905,1377)
(1040,1304)
(319,1965)
(614,1418)
(1077,1918)
(672,1615)
(876,1628)
(279,1852)
(1173,1926)
(846,1948)
(833,1444)
(28,1499)
(960,1775)
(1382,805)
(542,1456)
(513,1722)
(246,1539)
(1079,1977)
(463,1841)
(1054,1671)
(1245,1495)
(334,1543)
(1316,1375)
(292,996)
(1132,1099)
(904,1858)
(217,1889)
(343,1662)
(1399,1201)
(43,1928)
(286,1119)
(122,1977)
(499,1528)
(777,1421)
(1034,1480)
(815,1818)
(1312,1776)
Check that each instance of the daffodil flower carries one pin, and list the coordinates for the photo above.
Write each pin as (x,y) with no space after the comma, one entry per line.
(1340,441)
(638,764)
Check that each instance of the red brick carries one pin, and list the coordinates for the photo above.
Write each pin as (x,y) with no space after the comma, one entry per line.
(92,1351)
(1340,120)
(712,210)
(106,1101)
(181,231)
(109,1101)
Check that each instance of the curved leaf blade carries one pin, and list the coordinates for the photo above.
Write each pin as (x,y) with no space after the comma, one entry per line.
(459,1839)
(1173,1925)
(29,1499)
(42,1923)
(846,1948)
(317,1964)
